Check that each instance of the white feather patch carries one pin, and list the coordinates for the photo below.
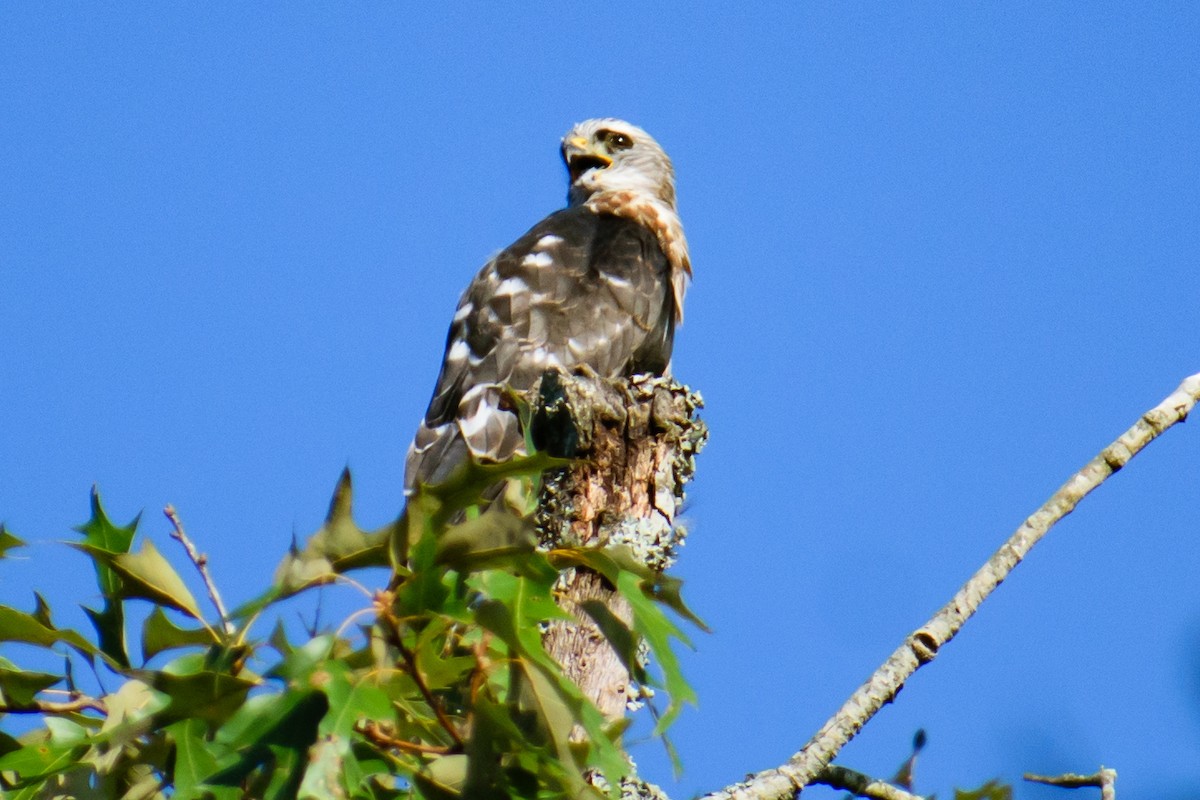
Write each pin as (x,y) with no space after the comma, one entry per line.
(475,424)
(511,286)
(538,260)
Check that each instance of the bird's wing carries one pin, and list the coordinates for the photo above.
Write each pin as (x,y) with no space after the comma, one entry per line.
(579,289)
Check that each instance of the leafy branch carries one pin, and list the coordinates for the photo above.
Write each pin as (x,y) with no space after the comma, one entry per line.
(445,691)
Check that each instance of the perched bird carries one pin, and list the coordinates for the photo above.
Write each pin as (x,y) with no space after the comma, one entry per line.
(598,284)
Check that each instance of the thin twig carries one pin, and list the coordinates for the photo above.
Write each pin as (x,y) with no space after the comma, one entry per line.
(80,703)
(201,562)
(922,645)
(392,632)
(1104,779)
(411,661)
(857,783)
(377,736)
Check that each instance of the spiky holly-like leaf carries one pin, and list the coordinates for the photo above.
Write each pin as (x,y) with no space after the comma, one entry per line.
(159,634)
(17,626)
(19,687)
(109,621)
(658,631)
(340,545)
(204,694)
(195,761)
(146,575)
(273,731)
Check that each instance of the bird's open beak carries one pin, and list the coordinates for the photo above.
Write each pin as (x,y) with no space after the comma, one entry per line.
(581,156)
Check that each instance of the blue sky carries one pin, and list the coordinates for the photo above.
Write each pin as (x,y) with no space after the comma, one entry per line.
(943,254)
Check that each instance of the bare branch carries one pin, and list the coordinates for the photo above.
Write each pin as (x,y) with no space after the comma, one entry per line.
(76,705)
(861,785)
(923,645)
(1104,779)
(201,562)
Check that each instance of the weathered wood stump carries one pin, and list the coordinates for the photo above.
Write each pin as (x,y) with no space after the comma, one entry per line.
(635,443)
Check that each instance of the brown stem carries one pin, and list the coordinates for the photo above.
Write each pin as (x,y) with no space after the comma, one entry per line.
(392,630)
(376,735)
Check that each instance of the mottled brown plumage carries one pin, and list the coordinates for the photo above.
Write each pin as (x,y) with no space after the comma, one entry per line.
(598,284)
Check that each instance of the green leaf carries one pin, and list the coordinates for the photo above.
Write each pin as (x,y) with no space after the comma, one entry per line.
(526,643)
(99,532)
(278,639)
(133,702)
(54,750)
(130,717)
(109,621)
(424,591)
(658,631)
(533,597)
(558,712)
(271,730)
(146,575)
(289,719)
(212,696)
(193,762)
(352,698)
(667,590)
(159,634)
(444,778)
(646,591)
(8,541)
(340,545)
(557,716)
(622,640)
(141,782)
(19,687)
(41,610)
(323,778)
(17,626)
(493,539)
(613,560)
(300,664)
(68,785)
(493,733)
(469,482)
(252,608)
(444,673)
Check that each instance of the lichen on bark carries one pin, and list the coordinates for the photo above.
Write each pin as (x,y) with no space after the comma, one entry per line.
(634,443)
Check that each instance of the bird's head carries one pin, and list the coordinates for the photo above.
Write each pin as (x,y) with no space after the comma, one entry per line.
(610,155)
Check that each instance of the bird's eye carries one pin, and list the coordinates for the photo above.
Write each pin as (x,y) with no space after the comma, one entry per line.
(615,140)
(619,141)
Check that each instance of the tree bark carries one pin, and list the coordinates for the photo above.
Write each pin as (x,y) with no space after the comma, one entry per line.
(634,443)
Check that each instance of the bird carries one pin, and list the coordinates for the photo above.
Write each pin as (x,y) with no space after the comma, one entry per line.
(597,286)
